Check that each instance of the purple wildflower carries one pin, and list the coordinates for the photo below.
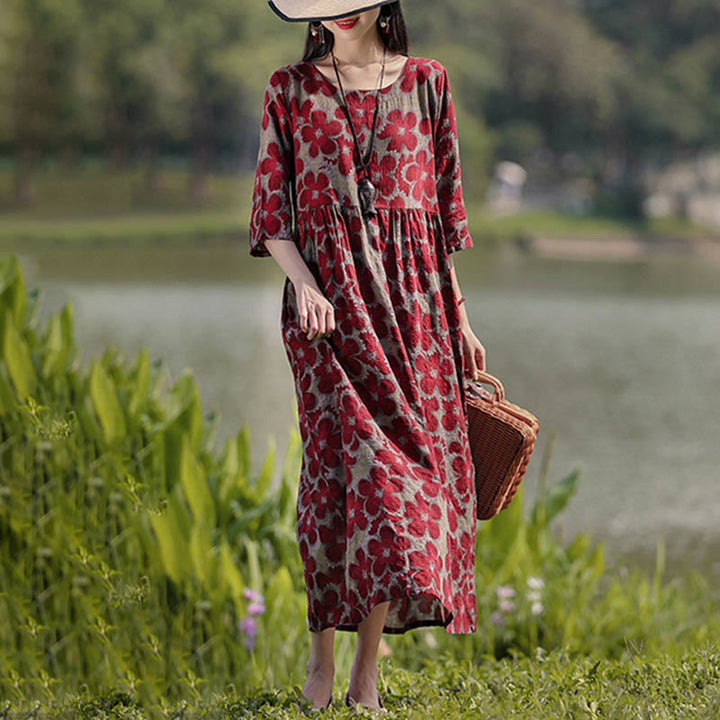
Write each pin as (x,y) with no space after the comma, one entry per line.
(249,626)
(252,595)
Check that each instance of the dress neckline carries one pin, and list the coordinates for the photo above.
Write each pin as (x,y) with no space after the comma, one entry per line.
(384,89)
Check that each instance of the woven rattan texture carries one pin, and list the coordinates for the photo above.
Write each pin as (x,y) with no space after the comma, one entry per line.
(502,437)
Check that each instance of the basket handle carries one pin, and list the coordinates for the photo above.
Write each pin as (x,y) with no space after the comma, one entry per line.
(485,377)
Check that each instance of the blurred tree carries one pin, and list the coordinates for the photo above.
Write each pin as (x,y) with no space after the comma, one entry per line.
(611,84)
(44,104)
(137,82)
(667,83)
(554,72)
(209,53)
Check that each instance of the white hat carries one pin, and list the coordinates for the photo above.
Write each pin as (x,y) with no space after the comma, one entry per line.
(309,10)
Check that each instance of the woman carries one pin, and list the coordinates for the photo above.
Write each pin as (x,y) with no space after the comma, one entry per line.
(358,198)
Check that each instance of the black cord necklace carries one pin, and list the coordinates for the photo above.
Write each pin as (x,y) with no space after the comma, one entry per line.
(366,190)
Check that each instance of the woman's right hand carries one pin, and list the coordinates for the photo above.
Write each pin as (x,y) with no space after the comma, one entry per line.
(317,315)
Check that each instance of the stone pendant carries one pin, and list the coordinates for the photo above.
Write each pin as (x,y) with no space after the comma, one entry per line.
(368,193)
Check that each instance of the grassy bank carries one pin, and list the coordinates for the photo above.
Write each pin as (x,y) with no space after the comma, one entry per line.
(97,205)
(550,686)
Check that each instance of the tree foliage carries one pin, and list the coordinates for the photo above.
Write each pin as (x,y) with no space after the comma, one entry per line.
(613,83)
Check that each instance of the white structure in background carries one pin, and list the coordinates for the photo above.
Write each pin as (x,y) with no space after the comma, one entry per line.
(505,191)
(688,189)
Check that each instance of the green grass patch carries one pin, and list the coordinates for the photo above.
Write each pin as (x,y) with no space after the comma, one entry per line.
(551,685)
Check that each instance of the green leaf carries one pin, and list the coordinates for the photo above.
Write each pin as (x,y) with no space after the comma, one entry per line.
(59,342)
(12,289)
(8,401)
(277,593)
(172,545)
(230,574)
(243,454)
(502,530)
(264,477)
(17,358)
(254,574)
(555,498)
(106,404)
(194,484)
(204,561)
(141,382)
(173,530)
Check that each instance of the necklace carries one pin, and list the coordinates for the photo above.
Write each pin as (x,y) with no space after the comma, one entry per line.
(366,190)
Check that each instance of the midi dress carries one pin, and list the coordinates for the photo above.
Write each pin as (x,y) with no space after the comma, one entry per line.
(386,503)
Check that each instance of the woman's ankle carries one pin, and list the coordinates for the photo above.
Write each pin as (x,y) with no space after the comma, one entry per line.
(323,666)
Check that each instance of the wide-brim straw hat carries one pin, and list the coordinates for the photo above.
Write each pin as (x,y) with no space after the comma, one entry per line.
(313,10)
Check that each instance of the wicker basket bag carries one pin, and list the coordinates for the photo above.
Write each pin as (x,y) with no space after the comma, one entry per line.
(502,437)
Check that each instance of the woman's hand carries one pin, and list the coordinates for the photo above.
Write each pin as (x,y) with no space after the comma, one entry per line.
(473,351)
(317,315)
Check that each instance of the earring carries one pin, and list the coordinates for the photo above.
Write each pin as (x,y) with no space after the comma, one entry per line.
(318,33)
(385,23)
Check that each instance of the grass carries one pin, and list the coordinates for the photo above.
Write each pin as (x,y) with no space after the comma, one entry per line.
(93,204)
(551,685)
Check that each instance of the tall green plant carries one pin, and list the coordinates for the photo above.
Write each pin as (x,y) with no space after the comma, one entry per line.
(127,539)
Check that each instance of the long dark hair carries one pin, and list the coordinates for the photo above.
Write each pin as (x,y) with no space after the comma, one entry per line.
(395,41)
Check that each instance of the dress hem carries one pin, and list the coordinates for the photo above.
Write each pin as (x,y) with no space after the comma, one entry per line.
(399,630)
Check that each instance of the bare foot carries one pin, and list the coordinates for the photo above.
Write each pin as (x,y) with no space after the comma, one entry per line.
(319,684)
(363,688)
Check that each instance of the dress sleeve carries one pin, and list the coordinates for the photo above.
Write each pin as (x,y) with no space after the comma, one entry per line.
(272,200)
(447,170)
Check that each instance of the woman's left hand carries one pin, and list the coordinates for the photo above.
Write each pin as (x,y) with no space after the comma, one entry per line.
(474,352)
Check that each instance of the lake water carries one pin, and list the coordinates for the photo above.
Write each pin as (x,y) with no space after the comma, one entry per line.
(619,361)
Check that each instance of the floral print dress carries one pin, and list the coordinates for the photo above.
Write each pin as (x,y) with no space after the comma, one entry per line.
(386,504)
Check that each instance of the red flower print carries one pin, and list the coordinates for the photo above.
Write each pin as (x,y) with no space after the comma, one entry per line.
(371,499)
(354,427)
(280,78)
(276,216)
(421,176)
(361,111)
(428,333)
(383,176)
(430,377)
(273,165)
(450,417)
(431,407)
(329,377)
(415,75)
(346,158)
(324,498)
(359,571)
(385,500)
(314,190)
(350,350)
(383,552)
(423,517)
(399,129)
(313,85)
(319,133)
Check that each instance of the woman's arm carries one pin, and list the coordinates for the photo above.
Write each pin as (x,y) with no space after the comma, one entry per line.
(317,315)
(473,349)
(271,216)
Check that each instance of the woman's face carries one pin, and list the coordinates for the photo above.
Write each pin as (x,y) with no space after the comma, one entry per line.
(353,26)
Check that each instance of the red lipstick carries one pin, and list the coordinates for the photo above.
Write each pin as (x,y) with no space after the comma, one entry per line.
(347,23)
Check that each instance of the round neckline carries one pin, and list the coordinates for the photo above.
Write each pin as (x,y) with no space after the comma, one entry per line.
(383,89)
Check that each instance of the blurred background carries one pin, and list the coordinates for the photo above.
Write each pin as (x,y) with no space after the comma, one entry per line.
(590,141)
